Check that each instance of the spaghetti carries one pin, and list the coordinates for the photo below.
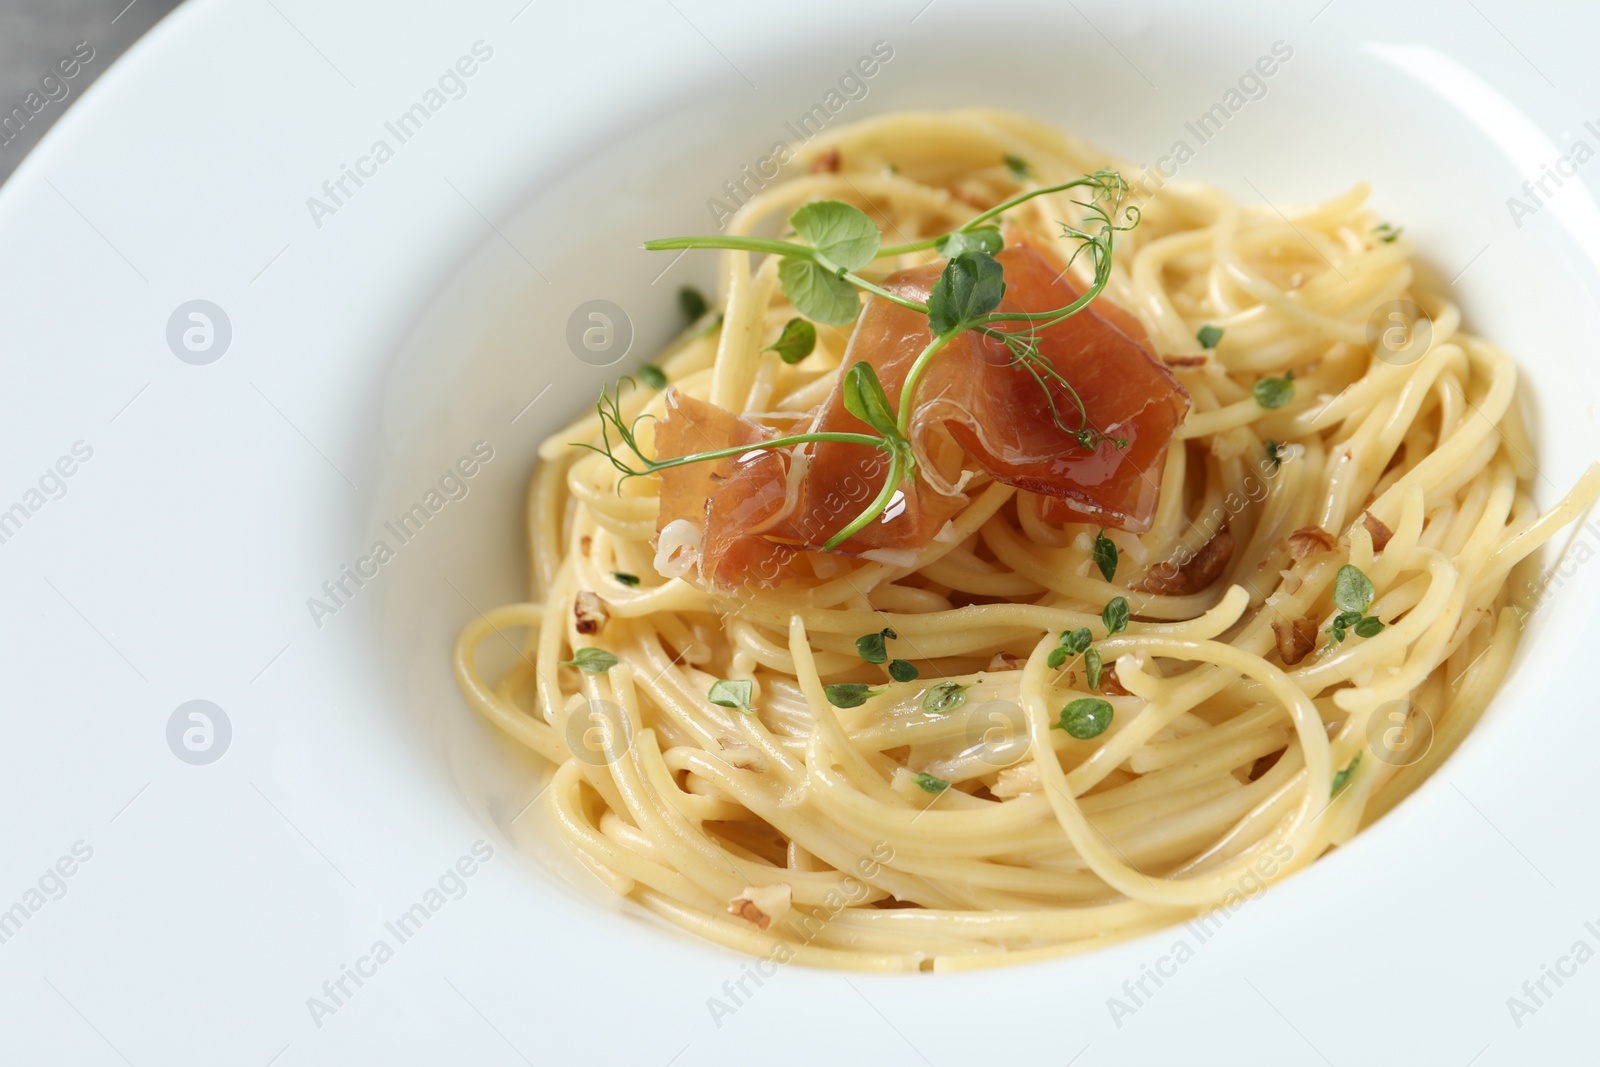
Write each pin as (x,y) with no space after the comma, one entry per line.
(949,822)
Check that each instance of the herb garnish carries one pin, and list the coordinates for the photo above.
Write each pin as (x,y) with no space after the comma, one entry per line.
(1079,641)
(653,376)
(732,694)
(1073,643)
(817,274)
(1085,718)
(871,646)
(1115,615)
(1093,667)
(1018,167)
(945,697)
(1276,453)
(903,671)
(592,660)
(1105,555)
(1353,594)
(1076,641)
(1342,779)
(796,341)
(1274,392)
(1387,232)
(972,284)
(693,303)
(841,239)
(1209,336)
(930,784)
(629,580)
(848,694)
(984,239)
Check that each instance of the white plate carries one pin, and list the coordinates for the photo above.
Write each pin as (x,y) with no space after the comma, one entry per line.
(425,314)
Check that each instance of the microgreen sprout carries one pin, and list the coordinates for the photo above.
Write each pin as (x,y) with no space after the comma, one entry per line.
(817,271)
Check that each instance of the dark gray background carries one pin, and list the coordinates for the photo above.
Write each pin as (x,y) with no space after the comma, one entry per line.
(34,34)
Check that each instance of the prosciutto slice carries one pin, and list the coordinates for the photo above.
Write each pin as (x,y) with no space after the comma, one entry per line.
(978,410)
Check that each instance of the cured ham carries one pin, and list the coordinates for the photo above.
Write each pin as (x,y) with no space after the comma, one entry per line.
(978,409)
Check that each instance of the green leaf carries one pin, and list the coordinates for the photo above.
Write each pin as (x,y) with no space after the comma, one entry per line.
(903,671)
(1352,590)
(1346,619)
(1275,453)
(1341,779)
(865,399)
(871,646)
(629,580)
(593,660)
(1115,615)
(796,341)
(1018,167)
(1209,336)
(1093,667)
(972,284)
(848,694)
(930,784)
(842,233)
(732,694)
(1085,718)
(1105,555)
(1371,626)
(983,239)
(693,302)
(818,293)
(1073,643)
(1387,233)
(1273,392)
(945,697)
(653,376)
